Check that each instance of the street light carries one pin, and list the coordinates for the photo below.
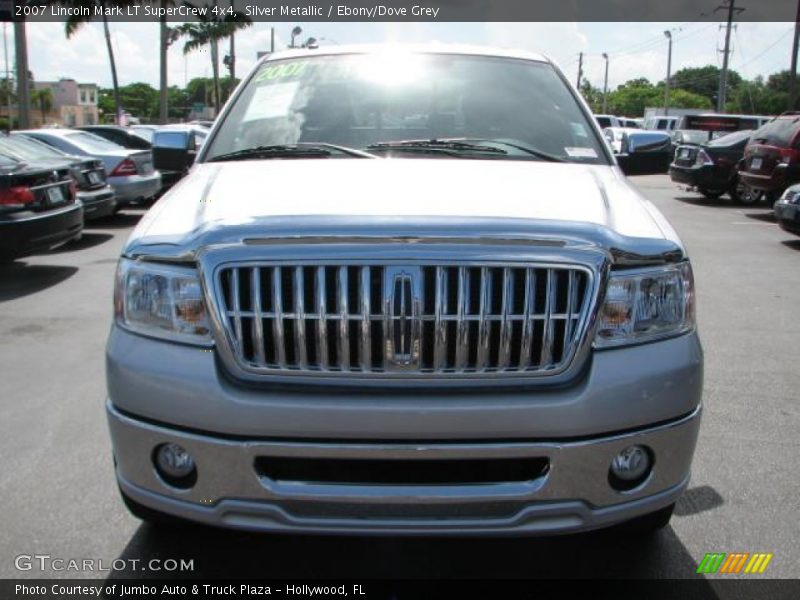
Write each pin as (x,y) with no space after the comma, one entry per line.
(295,32)
(605,87)
(668,35)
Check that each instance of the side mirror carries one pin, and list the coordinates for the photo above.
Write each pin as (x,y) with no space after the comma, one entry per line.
(645,153)
(173,150)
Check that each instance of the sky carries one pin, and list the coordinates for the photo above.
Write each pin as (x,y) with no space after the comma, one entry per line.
(634,49)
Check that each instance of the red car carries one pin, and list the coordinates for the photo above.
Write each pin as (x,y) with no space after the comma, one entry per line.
(772,158)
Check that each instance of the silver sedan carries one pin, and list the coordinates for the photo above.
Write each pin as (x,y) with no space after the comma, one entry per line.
(130,172)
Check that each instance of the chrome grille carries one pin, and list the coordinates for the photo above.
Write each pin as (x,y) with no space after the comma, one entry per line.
(389,320)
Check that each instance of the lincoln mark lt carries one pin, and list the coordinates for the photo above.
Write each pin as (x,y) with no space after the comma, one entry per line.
(405,290)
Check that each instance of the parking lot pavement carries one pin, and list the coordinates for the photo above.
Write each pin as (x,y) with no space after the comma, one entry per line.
(59,496)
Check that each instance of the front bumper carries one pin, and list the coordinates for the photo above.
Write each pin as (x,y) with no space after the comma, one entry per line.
(788,216)
(134,188)
(573,495)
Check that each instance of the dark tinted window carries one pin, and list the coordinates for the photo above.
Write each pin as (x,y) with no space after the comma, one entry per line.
(603,122)
(732,139)
(171,139)
(780,131)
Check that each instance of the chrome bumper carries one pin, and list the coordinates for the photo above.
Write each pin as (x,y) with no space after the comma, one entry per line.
(574,494)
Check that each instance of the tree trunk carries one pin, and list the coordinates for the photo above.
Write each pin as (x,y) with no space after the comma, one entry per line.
(23,97)
(114,81)
(233,58)
(215,74)
(163,106)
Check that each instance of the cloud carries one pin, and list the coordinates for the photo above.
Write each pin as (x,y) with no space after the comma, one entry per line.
(635,49)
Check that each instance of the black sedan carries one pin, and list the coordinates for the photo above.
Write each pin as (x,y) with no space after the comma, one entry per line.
(38,208)
(711,167)
(89,173)
(125,137)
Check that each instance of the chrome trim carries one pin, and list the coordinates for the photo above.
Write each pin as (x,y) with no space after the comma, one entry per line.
(437,371)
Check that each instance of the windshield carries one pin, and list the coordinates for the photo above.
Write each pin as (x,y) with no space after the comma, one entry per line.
(35,148)
(89,142)
(732,138)
(23,151)
(780,131)
(357,101)
(143,132)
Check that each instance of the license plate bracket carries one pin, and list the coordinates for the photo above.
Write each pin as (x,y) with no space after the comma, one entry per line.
(55,195)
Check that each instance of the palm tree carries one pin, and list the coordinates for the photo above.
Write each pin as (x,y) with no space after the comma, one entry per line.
(169,36)
(75,22)
(43,99)
(209,30)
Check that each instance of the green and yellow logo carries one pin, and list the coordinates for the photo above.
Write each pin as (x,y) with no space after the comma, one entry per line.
(735,563)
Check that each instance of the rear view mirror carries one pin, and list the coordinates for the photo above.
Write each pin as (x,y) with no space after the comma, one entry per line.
(645,153)
(174,150)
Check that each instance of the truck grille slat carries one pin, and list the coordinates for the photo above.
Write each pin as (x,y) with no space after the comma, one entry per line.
(385,320)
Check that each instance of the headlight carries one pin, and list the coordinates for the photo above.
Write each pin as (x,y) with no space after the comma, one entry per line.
(645,305)
(161,301)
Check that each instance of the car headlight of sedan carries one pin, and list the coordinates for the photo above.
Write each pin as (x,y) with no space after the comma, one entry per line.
(161,301)
(646,305)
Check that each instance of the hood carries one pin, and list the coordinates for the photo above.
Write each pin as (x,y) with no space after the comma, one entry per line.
(259,198)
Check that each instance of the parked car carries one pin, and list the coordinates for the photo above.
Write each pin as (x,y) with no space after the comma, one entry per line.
(616,136)
(629,123)
(787,210)
(661,123)
(702,128)
(711,168)
(89,174)
(130,172)
(772,158)
(444,312)
(127,137)
(38,209)
(174,149)
(607,121)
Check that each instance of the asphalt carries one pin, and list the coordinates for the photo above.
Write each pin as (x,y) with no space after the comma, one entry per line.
(59,497)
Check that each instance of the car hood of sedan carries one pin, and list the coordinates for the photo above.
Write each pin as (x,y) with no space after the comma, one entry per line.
(256,195)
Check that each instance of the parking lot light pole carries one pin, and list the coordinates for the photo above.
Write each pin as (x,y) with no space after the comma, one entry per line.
(668,34)
(605,87)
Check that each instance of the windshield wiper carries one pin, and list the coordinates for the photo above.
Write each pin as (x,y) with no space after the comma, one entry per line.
(453,147)
(528,150)
(298,150)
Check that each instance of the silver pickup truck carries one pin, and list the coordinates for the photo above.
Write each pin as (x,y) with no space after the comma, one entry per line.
(405,290)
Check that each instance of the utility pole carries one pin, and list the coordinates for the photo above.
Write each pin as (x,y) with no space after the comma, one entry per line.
(605,87)
(580,67)
(21,54)
(730,6)
(793,70)
(668,34)
(8,76)
(272,39)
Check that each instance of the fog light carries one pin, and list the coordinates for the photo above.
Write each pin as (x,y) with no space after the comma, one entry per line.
(630,467)
(175,465)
